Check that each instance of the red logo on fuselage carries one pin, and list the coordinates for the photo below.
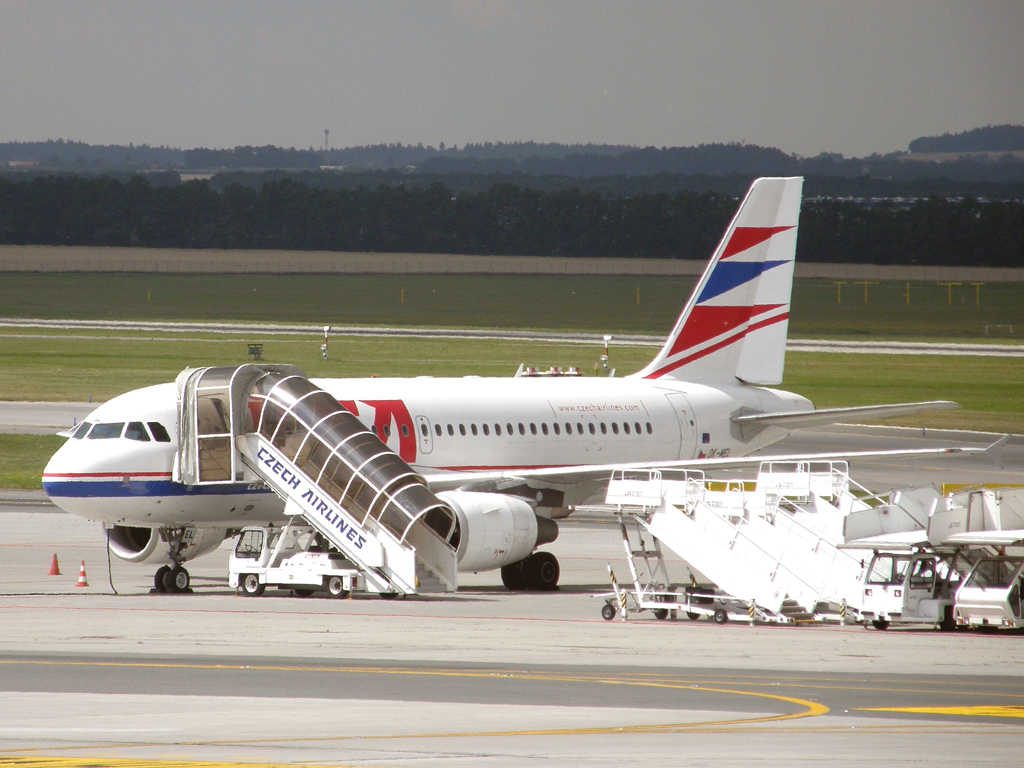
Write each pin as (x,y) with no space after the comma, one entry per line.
(390,418)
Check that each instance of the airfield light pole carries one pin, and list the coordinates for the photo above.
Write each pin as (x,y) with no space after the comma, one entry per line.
(949,292)
(977,293)
(865,283)
(323,349)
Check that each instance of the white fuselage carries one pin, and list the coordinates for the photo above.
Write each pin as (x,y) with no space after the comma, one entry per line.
(436,425)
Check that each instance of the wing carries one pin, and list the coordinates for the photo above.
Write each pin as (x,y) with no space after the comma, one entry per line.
(570,475)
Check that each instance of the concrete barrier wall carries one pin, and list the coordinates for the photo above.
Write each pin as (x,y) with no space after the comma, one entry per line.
(36,258)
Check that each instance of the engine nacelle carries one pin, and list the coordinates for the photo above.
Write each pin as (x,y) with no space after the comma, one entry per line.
(496,530)
(144,545)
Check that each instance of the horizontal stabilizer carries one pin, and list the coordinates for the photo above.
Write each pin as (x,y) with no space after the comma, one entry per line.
(794,420)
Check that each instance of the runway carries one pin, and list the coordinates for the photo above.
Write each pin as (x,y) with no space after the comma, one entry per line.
(628,339)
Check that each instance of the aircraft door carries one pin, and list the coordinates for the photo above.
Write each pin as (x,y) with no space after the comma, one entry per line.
(424,439)
(687,424)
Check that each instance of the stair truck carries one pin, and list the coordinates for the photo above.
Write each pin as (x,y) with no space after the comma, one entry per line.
(294,557)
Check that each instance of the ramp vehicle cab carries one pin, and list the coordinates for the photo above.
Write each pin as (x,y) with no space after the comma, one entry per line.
(293,557)
(909,589)
(991,594)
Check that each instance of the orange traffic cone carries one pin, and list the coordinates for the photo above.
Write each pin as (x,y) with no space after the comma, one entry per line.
(54,567)
(82,582)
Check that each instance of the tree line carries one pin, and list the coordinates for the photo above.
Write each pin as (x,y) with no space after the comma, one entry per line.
(502,219)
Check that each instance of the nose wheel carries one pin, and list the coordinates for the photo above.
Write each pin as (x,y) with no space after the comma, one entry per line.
(168,579)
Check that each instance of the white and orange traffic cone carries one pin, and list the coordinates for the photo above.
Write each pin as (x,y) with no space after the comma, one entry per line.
(82,582)
(54,566)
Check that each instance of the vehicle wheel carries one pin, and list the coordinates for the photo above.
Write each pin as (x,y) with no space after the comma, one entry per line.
(250,585)
(164,571)
(513,576)
(948,623)
(608,612)
(720,616)
(661,614)
(542,571)
(303,592)
(179,580)
(880,624)
(692,616)
(336,586)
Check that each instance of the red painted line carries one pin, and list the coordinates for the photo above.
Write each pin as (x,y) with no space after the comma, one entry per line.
(82,475)
(715,347)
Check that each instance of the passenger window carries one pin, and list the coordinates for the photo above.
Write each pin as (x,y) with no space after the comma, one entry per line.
(106,431)
(625,427)
(508,428)
(544,428)
(604,429)
(405,430)
(650,430)
(592,430)
(522,429)
(556,428)
(533,428)
(387,431)
(423,430)
(373,428)
(497,429)
(579,428)
(81,430)
(451,431)
(462,429)
(136,431)
(437,430)
(159,433)
(472,428)
(487,430)
(615,428)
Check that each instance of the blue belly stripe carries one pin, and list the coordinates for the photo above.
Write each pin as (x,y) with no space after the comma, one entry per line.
(84,489)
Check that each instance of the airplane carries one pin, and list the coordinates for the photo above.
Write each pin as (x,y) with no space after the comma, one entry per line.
(535,447)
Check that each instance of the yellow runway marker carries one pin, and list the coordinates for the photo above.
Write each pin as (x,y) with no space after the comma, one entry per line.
(1012,711)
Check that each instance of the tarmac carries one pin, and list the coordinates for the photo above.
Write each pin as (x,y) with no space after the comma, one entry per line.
(483,677)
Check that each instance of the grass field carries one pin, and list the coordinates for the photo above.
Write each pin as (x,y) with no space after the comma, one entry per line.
(22,458)
(605,304)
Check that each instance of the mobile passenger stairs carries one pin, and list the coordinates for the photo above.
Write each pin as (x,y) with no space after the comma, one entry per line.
(269,424)
(770,548)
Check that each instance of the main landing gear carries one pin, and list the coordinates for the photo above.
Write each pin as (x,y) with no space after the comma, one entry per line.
(173,578)
(539,572)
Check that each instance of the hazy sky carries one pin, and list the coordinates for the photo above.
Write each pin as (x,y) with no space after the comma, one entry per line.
(856,76)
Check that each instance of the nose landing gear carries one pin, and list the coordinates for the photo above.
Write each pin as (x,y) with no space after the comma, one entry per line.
(173,578)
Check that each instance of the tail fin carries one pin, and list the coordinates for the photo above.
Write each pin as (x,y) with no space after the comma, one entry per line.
(734,325)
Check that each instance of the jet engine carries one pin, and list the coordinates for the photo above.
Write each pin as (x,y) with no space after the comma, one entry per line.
(146,545)
(496,530)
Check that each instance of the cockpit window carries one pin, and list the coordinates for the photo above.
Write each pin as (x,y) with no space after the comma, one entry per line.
(159,433)
(81,431)
(136,431)
(106,431)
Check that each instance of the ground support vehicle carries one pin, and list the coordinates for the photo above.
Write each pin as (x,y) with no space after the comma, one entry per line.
(653,591)
(910,588)
(293,557)
(991,594)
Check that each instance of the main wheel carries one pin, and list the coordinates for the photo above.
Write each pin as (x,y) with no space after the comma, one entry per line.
(720,616)
(179,579)
(542,571)
(948,623)
(608,612)
(250,585)
(692,616)
(336,586)
(513,576)
(880,623)
(661,613)
(164,571)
